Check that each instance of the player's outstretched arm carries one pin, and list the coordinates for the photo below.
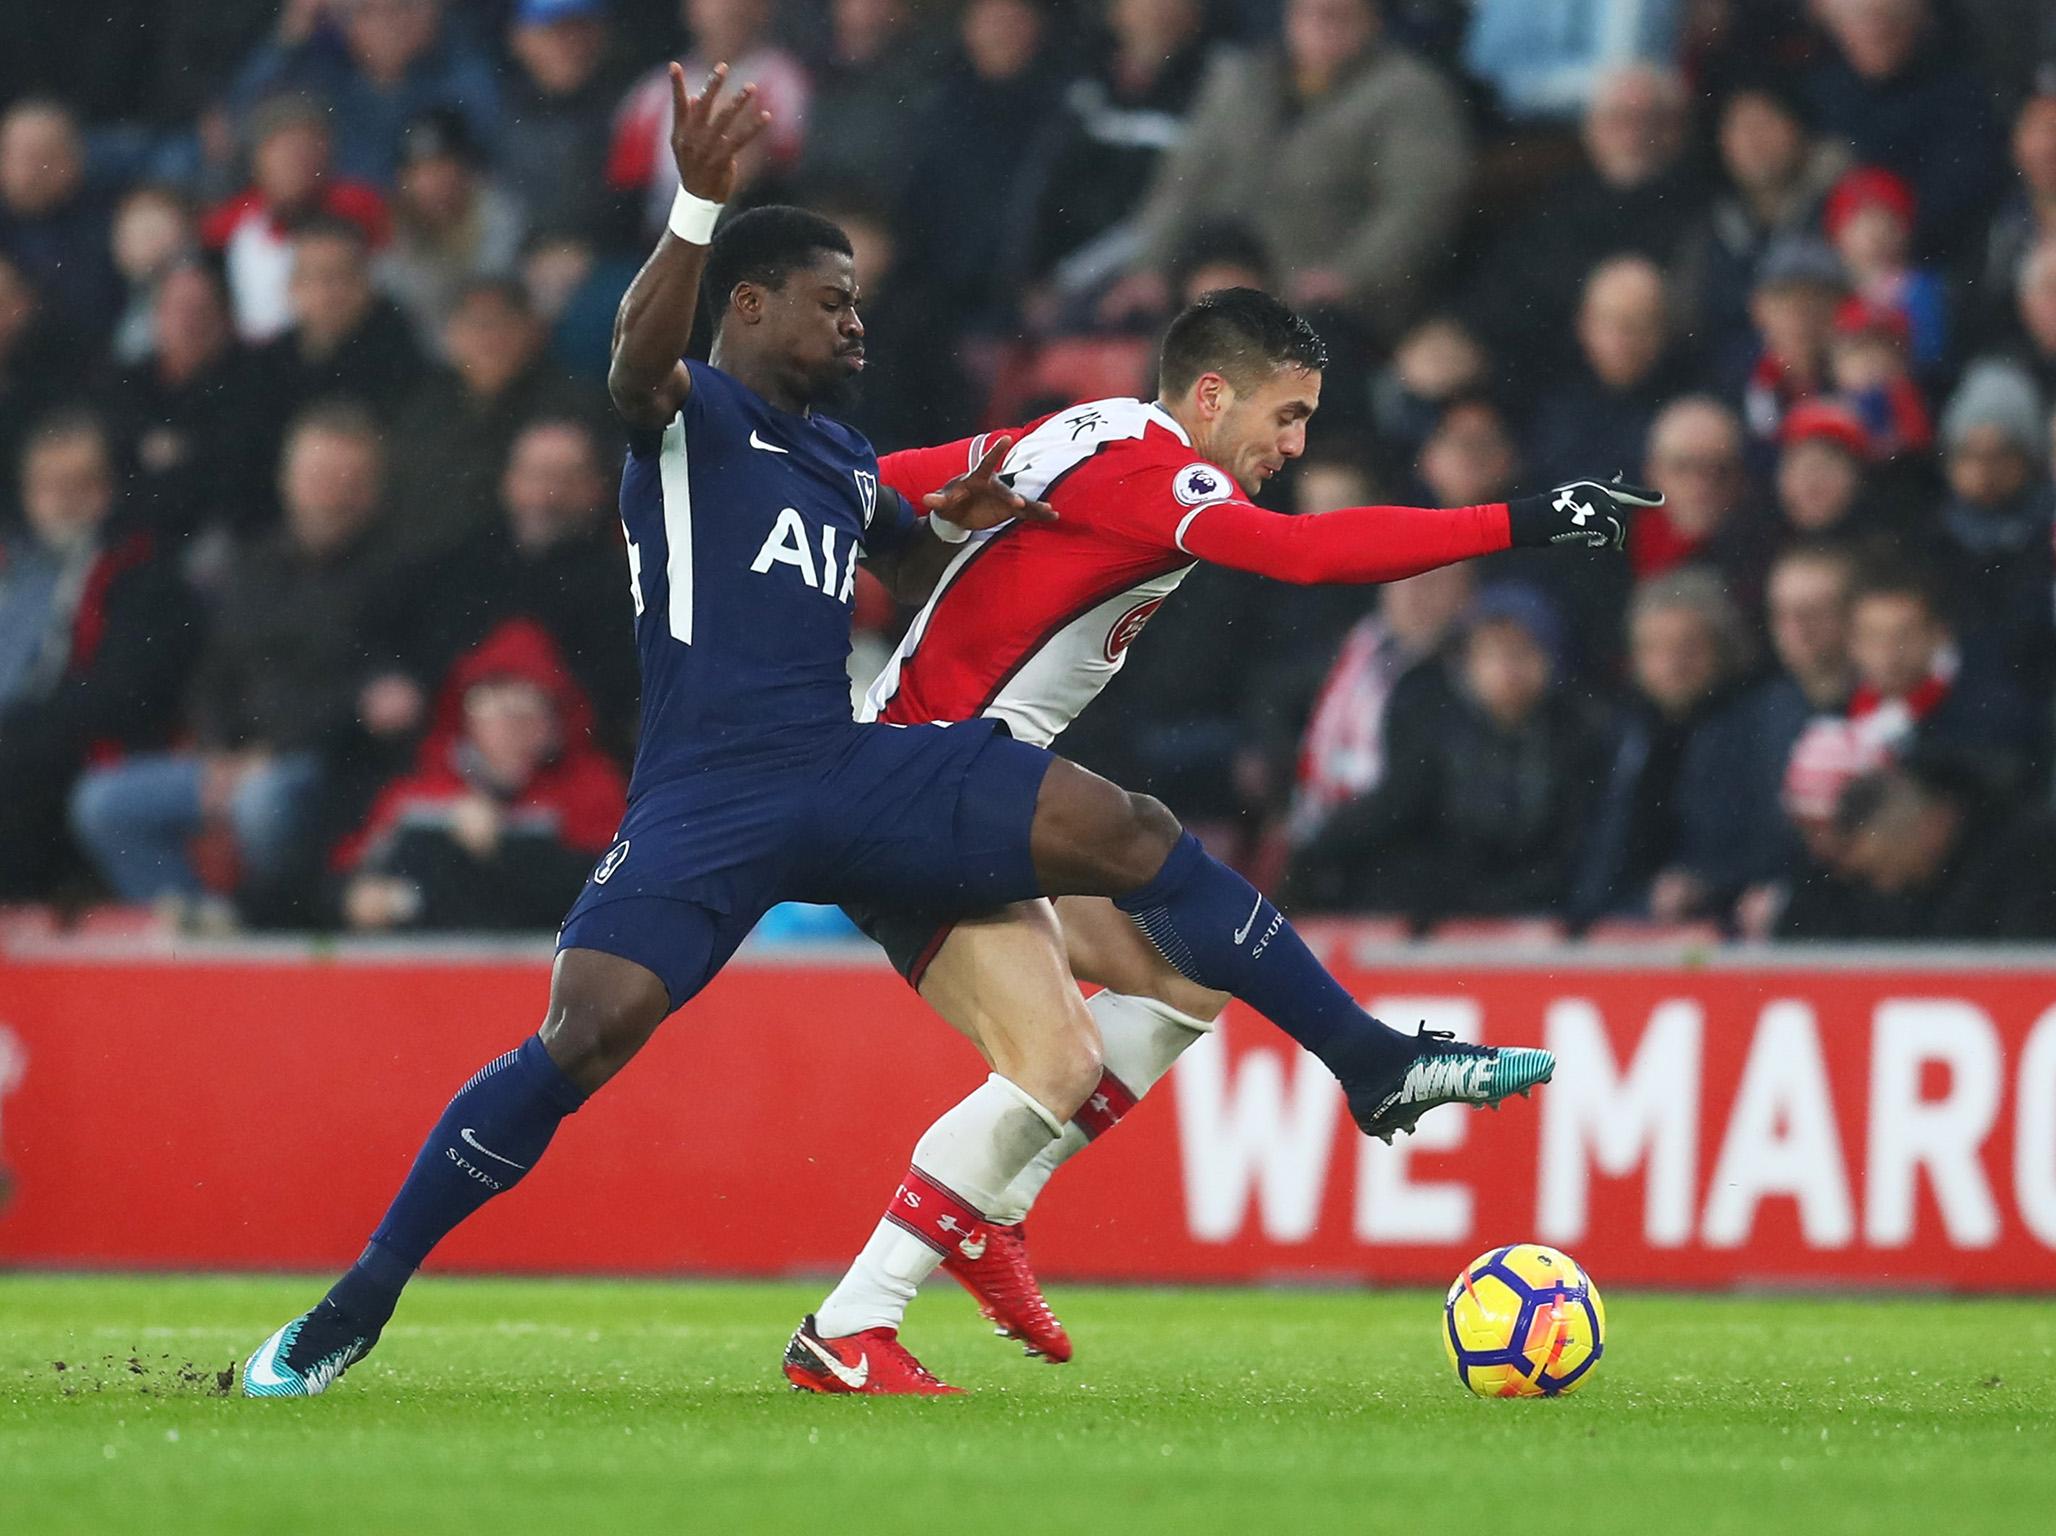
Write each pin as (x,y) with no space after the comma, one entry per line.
(1371,544)
(978,498)
(645,377)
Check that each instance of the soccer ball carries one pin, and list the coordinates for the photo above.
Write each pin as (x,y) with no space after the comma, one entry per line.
(1523,1321)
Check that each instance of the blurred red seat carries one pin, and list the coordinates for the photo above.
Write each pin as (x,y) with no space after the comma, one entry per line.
(1635,930)
(1501,932)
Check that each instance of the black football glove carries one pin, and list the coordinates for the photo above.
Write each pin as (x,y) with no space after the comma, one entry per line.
(1584,513)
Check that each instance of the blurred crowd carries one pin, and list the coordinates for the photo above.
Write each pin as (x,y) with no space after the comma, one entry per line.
(313,608)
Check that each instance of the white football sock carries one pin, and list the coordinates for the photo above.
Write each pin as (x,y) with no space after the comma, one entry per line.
(1139,1038)
(973,1153)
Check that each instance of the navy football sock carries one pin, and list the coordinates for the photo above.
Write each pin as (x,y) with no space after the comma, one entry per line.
(1215,928)
(494,1130)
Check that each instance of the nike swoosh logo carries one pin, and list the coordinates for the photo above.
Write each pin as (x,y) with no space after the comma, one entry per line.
(476,1145)
(851,1376)
(758,442)
(1243,932)
(262,1371)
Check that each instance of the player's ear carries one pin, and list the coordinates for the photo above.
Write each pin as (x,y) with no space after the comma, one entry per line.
(748,301)
(1213,394)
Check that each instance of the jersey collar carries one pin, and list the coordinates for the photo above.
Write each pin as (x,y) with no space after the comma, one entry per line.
(1169,422)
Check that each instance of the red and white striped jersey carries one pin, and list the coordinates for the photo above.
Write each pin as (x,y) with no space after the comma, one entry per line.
(1030,622)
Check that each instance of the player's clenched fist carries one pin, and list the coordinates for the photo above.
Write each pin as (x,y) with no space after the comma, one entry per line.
(707,133)
(1587,513)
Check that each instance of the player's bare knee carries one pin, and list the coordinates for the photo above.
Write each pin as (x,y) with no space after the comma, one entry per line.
(590,1038)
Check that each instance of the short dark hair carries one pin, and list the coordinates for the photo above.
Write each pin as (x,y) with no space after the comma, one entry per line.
(764,246)
(330,226)
(1239,333)
(1893,578)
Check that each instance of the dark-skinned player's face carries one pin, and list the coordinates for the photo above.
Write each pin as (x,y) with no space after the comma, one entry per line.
(1261,428)
(810,327)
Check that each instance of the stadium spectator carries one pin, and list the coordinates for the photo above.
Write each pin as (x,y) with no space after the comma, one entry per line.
(1344,753)
(1688,649)
(1897,88)
(1436,360)
(914,391)
(2035,299)
(1776,174)
(1792,309)
(1491,772)
(1695,459)
(291,183)
(96,639)
(740,34)
(552,149)
(1871,365)
(868,90)
(1733,839)
(378,64)
(1355,150)
(1944,857)
(1603,409)
(1869,220)
(552,557)
(1996,523)
(39,366)
(1631,195)
(977,139)
(1822,454)
(452,222)
(54,225)
(1119,120)
(1913,688)
(190,414)
(345,340)
(453,436)
(2027,217)
(1545,58)
(154,229)
(506,809)
(275,704)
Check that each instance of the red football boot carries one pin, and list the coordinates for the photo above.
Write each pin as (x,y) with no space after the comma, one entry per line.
(873,1363)
(996,1271)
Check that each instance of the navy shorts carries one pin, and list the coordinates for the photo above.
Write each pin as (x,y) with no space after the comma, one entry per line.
(932,818)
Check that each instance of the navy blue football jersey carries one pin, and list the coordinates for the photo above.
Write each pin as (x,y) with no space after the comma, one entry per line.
(745,524)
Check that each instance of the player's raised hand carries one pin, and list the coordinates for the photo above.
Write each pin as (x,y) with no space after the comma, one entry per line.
(708,132)
(982,498)
(1588,514)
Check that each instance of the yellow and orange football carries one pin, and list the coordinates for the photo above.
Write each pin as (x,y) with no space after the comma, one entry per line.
(1523,1321)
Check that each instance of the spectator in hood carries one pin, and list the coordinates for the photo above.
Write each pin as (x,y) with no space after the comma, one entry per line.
(504,812)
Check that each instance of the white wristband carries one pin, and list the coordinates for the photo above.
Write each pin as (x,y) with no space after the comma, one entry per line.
(945,530)
(693,218)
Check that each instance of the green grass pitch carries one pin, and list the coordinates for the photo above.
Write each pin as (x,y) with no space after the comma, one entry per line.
(509,1407)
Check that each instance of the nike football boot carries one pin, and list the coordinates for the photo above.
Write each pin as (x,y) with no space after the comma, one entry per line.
(872,1364)
(304,1358)
(993,1266)
(1442,1070)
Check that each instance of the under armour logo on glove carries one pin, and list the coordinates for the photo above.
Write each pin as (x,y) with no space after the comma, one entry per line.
(1586,513)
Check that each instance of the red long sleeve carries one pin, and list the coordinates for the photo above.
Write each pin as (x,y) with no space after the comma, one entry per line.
(914,472)
(1353,544)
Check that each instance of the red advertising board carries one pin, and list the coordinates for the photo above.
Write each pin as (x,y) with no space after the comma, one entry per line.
(1832,1124)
